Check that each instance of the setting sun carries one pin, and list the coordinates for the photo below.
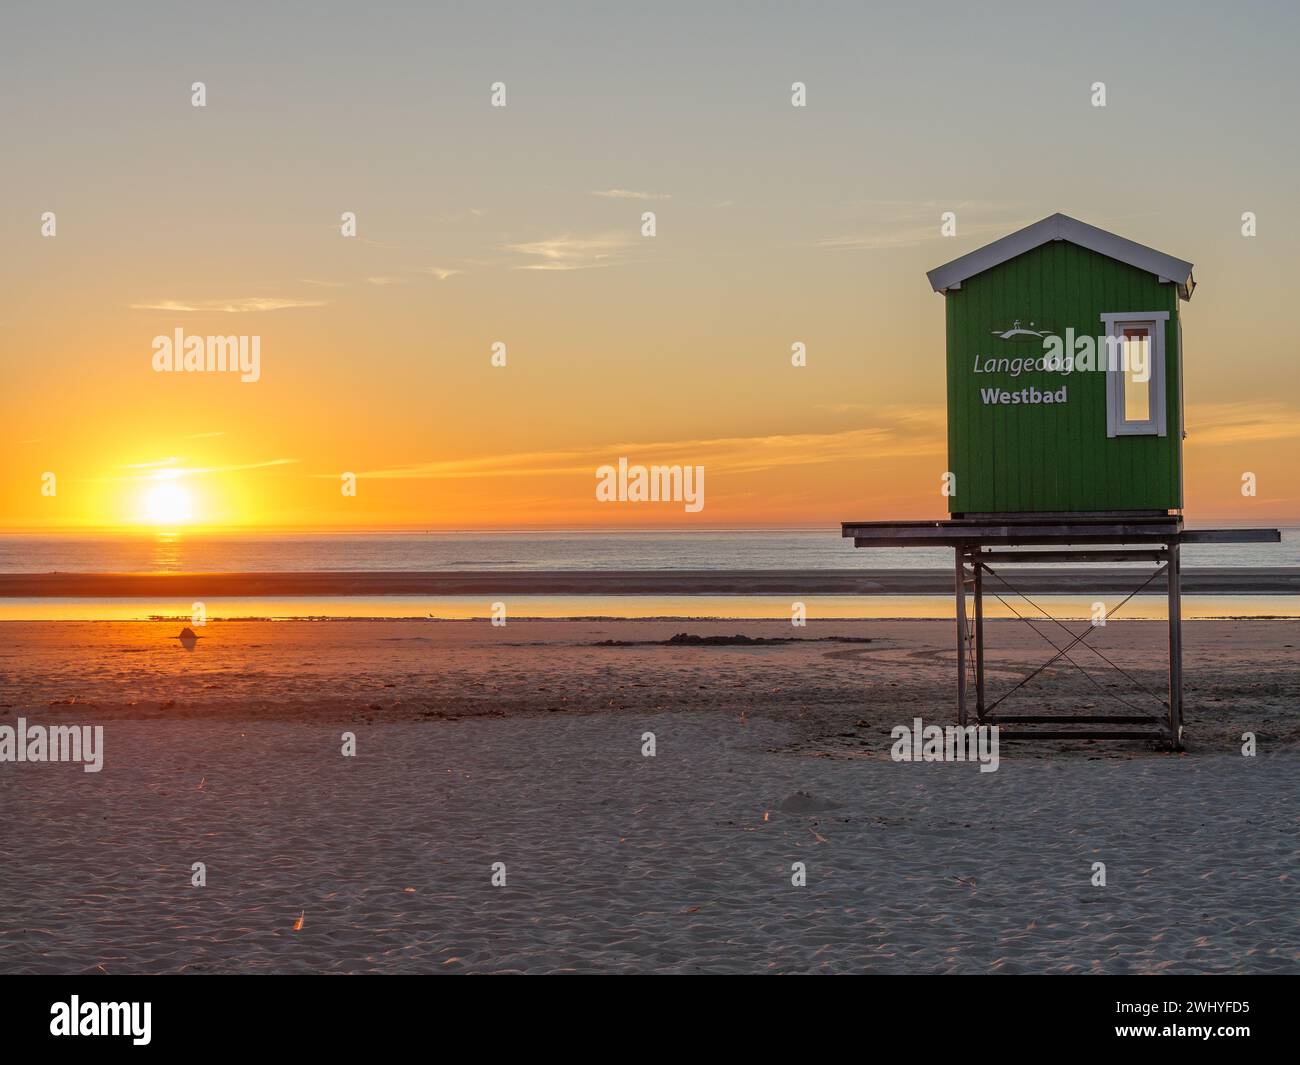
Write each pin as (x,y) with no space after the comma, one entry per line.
(168,504)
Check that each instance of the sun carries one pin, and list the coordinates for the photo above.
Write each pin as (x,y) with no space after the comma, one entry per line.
(168,504)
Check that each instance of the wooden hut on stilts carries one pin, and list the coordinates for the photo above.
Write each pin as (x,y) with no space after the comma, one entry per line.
(1065,431)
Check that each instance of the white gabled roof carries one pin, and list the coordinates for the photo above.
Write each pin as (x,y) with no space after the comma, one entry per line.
(1063,227)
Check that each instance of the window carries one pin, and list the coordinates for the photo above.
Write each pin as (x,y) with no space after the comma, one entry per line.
(1135,373)
(1136,368)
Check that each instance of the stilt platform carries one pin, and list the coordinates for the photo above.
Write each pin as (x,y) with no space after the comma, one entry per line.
(979,543)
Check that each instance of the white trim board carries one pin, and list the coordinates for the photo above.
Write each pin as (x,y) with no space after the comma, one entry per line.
(1109,318)
(1062,227)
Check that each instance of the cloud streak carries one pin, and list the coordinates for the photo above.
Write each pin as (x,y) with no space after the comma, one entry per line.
(573,253)
(630,194)
(167,470)
(737,455)
(242,305)
(908,223)
(1214,424)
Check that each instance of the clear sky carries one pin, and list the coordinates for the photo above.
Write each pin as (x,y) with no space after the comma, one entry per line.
(522,224)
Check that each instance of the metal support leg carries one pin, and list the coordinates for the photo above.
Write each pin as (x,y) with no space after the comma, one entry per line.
(979,637)
(1174,581)
(961,636)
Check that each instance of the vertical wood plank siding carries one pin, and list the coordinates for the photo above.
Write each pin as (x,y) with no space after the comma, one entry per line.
(1034,457)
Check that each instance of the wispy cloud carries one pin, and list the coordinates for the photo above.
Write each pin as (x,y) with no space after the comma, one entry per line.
(385,280)
(166,469)
(748,454)
(189,470)
(574,253)
(243,305)
(442,272)
(150,465)
(630,194)
(902,418)
(907,236)
(887,224)
(1210,424)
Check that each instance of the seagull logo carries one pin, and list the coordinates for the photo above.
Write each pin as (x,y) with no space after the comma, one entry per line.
(1017,331)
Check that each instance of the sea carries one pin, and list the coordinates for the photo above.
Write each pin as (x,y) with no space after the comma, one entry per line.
(550,550)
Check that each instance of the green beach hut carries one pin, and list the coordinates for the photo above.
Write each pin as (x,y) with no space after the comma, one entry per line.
(1065,433)
(1064,368)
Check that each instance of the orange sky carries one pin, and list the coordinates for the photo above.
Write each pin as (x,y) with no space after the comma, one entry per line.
(522,225)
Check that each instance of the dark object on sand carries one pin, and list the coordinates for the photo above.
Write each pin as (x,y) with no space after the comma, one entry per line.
(801,802)
(687,639)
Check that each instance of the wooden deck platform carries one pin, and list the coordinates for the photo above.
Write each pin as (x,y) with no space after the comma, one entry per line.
(1029,530)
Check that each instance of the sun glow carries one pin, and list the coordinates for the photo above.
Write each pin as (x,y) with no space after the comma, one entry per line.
(168,504)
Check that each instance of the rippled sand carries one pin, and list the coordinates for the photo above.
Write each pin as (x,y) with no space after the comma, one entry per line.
(615,862)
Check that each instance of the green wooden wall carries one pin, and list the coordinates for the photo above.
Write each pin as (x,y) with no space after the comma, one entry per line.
(1054,457)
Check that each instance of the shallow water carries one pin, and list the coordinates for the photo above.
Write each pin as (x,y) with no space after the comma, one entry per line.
(1150,607)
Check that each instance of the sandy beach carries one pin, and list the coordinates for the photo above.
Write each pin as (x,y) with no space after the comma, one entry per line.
(523,745)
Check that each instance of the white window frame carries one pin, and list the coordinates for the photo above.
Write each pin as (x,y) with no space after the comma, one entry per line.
(1116,425)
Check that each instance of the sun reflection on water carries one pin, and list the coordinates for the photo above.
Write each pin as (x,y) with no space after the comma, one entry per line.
(167,552)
